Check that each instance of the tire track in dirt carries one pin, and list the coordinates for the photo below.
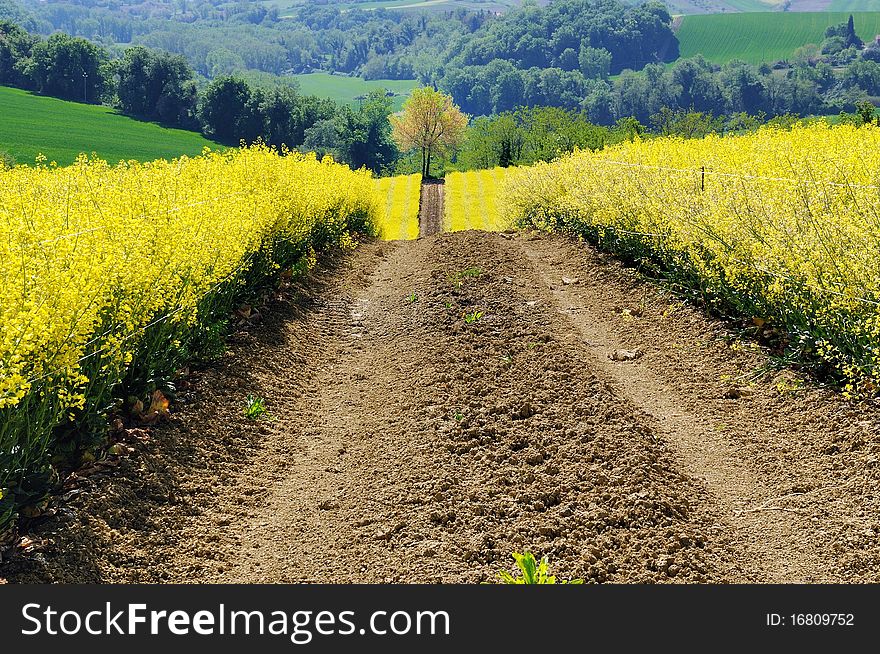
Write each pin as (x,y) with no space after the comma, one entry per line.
(437,404)
(427,448)
(769,452)
(431,215)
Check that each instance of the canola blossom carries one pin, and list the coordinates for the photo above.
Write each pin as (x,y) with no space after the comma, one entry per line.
(107,266)
(471,200)
(779,225)
(399,198)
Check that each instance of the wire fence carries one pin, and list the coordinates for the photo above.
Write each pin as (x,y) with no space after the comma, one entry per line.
(97,338)
(702,172)
(227,278)
(143,216)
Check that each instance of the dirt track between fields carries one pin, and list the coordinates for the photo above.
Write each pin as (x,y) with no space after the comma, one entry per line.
(585,414)
(431,207)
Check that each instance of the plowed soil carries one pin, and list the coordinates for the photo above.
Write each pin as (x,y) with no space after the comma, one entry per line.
(431,207)
(438,404)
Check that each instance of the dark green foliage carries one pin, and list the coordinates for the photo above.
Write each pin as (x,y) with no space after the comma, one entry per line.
(594,63)
(233,110)
(287,115)
(687,124)
(535,56)
(866,111)
(846,32)
(500,86)
(70,68)
(227,110)
(536,37)
(157,86)
(323,138)
(528,135)
(16,46)
(365,134)
(864,74)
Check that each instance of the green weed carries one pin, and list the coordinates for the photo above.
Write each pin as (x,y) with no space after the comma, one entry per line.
(458,278)
(255,407)
(533,572)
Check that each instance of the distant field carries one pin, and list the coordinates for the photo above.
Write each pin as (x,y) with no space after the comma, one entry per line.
(60,130)
(345,90)
(689,7)
(759,37)
(399,196)
(471,200)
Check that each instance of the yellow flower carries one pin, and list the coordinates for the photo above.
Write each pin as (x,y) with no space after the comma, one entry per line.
(783,221)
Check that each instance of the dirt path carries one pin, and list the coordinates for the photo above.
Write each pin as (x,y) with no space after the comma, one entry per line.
(437,404)
(431,208)
(763,452)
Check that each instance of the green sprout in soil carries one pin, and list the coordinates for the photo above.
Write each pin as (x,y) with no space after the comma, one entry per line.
(255,407)
(413,298)
(458,278)
(533,572)
(472,317)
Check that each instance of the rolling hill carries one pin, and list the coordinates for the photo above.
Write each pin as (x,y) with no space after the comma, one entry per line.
(60,130)
(759,37)
(346,90)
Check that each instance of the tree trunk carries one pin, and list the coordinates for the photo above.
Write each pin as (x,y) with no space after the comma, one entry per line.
(428,165)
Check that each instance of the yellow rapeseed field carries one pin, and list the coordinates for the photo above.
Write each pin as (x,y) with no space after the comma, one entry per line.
(471,200)
(781,225)
(97,259)
(399,197)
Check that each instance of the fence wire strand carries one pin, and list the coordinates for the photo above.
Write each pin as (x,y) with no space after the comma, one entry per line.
(703,171)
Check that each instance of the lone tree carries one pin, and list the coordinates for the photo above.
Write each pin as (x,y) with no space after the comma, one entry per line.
(846,31)
(429,121)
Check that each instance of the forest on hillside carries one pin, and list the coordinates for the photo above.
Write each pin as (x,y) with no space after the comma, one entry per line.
(573,40)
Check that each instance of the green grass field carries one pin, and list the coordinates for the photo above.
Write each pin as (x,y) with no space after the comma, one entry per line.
(759,37)
(688,7)
(32,124)
(345,90)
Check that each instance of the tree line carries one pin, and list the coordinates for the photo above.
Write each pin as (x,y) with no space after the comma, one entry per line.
(159,86)
(219,37)
(528,135)
(602,57)
(535,114)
